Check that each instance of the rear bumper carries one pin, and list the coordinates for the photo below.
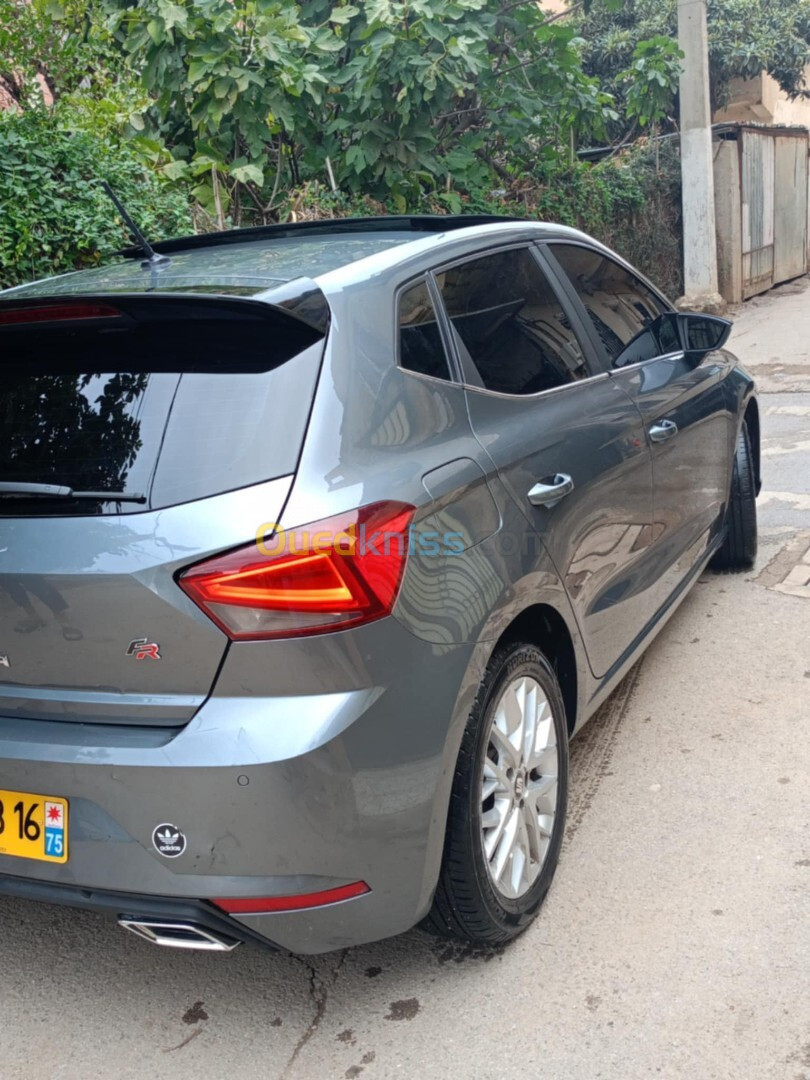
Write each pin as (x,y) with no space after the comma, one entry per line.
(129,905)
(300,792)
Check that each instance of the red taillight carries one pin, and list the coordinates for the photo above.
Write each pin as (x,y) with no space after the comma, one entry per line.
(265,904)
(56,313)
(325,576)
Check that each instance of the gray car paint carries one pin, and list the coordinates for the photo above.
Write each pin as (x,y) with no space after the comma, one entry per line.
(318,761)
(115,576)
(696,398)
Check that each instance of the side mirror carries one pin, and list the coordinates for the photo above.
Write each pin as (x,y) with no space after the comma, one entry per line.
(675,332)
(702,334)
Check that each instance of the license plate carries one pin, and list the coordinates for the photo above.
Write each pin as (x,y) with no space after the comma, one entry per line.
(33,826)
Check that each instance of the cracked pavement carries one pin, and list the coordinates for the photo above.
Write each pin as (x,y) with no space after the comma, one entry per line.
(675,939)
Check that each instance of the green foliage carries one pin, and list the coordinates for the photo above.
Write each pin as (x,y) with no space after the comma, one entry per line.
(53,215)
(631,202)
(746,37)
(49,48)
(653,80)
(262,110)
(391,99)
(651,235)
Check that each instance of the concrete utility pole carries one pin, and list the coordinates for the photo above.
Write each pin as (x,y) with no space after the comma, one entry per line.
(697,166)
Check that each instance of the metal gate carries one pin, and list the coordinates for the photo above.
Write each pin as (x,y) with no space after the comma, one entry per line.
(790,209)
(774,208)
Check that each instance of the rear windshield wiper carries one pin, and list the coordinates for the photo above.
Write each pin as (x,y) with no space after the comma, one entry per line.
(11,490)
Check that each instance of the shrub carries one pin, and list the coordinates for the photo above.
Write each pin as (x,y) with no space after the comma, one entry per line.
(386,98)
(54,217)
(651,235)
(631,202)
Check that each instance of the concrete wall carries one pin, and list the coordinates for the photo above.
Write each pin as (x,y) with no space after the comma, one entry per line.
(8,102)
(761,101)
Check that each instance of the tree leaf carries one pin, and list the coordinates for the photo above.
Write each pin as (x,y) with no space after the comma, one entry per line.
(248,174)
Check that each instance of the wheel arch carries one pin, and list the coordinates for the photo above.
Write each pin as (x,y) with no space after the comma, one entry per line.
(542,625)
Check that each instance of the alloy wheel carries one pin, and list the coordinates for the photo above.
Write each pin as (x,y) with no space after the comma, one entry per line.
(519,786)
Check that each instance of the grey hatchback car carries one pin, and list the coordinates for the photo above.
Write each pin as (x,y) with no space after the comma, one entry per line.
(317,544)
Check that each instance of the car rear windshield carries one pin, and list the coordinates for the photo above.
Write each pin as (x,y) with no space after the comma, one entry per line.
(171,410)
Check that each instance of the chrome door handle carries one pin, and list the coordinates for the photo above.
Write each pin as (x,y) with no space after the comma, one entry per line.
(549,494)
(663,430)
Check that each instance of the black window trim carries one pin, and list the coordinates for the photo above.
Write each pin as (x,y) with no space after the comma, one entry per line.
(570,310)
(567,286)
(454,374)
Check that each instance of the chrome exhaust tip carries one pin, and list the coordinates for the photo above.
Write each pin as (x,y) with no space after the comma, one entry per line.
(178,935)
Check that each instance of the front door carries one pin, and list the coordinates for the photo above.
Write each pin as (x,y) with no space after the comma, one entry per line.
(568,445)
(686,416)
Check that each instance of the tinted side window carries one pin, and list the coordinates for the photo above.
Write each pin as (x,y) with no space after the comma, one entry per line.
(509,325)
(624,312)
(420,342)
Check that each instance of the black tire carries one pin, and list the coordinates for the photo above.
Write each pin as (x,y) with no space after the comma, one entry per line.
(739,548)
(467,905)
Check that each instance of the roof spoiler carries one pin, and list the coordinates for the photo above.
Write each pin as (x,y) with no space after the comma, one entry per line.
(300,306)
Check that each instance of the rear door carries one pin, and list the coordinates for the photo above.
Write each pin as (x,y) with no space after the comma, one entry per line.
(684,406)
(136,436)
(568,443)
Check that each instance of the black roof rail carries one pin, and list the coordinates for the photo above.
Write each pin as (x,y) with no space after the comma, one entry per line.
(330,226)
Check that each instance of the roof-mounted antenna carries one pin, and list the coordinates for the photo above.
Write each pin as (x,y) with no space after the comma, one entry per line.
(153,260)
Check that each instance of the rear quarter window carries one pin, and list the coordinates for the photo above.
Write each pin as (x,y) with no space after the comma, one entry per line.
(420,340)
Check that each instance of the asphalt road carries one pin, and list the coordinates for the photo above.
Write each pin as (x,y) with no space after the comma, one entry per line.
(675,941)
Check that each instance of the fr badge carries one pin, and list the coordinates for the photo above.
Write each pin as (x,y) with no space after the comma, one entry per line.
(143,649)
